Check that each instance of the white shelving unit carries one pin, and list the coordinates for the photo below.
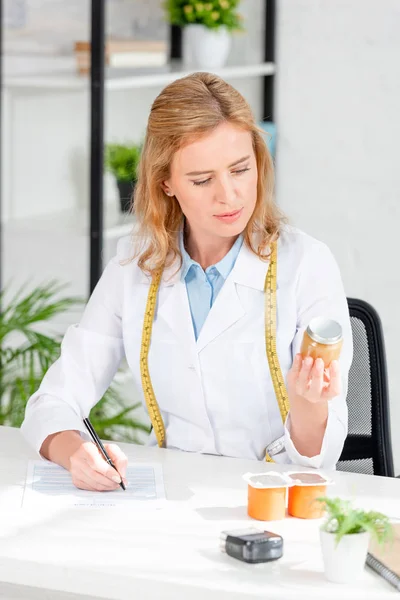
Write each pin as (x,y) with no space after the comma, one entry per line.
(115,225)
(117,79)
(47,130)
(118,230)
(56,245)
(74,222)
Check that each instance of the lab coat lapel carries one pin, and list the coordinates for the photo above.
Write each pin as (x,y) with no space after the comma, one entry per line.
(173,306)
(226,310)
(250,271)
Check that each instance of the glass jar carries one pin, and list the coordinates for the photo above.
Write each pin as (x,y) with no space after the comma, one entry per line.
(322,339)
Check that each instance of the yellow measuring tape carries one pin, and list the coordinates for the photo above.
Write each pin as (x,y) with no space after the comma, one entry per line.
(151,402)
(270,337)
(270,343)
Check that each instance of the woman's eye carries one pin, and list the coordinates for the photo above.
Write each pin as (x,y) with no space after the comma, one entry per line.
(240,171)
(237,172)
(202,182)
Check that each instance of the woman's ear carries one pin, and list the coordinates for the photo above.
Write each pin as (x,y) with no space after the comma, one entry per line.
(166,189)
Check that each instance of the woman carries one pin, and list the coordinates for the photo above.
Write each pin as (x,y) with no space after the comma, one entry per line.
(206,227)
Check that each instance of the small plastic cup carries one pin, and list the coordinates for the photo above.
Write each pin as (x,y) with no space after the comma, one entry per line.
(307,487)
(267,495)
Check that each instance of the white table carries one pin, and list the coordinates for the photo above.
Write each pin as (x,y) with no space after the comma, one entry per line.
(170,553)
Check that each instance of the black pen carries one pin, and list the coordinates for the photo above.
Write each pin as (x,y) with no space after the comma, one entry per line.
(100,446)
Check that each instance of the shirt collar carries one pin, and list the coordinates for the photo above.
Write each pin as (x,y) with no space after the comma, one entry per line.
(224,266)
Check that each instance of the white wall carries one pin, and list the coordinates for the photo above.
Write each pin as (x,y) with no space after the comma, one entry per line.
(338,178)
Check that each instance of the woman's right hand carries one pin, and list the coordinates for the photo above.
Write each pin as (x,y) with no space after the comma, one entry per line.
(90,471)
(82,459)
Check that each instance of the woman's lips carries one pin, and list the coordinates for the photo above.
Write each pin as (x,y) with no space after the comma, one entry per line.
(229,217)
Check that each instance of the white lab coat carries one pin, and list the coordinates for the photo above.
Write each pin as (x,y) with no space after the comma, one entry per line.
(215,395)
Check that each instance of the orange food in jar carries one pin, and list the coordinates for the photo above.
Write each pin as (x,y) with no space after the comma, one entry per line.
(322,339)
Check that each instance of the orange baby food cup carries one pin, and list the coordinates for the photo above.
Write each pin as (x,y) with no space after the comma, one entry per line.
(267,495)
(303,495)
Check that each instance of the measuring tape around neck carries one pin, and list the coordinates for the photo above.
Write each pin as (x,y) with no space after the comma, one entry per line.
(270,337)
(270,344)
(148,391)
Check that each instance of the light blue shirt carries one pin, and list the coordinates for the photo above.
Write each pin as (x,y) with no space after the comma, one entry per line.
(204,286)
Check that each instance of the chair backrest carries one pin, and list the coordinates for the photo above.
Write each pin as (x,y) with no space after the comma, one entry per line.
(367,448)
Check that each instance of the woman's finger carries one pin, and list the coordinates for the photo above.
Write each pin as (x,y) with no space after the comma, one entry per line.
(335,384)
(95,479)
(118,457)
(296,366)
(80,484)
(317,381)
(84,482)
(96,462)
(88,465)
(302,384)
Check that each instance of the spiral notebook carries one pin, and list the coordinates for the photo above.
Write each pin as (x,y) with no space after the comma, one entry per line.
(385,560)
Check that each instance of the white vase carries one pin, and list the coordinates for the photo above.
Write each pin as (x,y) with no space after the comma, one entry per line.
(205,48)
(345,561)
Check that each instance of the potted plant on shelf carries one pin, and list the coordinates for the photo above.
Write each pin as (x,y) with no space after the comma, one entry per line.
(122,161)
(28,349)
(345,537)
(206,29)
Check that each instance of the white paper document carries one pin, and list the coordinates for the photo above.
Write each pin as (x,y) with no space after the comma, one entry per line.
(50,485)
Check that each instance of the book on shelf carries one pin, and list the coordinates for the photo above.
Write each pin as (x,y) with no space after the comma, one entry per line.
(385,559)
(124,54)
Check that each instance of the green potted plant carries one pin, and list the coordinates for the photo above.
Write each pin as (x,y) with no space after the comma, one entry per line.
(122,160)
(345,537)
(206,29)
(27,349)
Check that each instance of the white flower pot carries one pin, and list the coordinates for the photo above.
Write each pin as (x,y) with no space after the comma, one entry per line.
(344,562)
(205,48)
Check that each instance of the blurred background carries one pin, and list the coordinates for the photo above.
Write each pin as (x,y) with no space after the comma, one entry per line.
(323,77)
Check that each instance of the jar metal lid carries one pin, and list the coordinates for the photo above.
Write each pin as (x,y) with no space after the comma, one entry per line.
(324,331)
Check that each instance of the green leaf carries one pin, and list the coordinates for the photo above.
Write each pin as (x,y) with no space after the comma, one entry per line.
(27,353)
(212,14)
(343,519)
(123,160)
(24,311)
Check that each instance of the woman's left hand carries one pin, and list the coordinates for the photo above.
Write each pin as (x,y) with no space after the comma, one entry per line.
(309,379)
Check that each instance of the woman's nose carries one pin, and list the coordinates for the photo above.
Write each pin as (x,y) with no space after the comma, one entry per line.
(225,192)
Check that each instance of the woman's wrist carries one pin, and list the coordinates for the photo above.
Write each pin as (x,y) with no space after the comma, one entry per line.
(309,414)
(308,425)
(59,447)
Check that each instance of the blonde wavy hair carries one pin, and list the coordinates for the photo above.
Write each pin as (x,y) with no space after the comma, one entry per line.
(186,109)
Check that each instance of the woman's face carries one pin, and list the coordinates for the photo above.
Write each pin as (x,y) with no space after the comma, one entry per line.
(214,179)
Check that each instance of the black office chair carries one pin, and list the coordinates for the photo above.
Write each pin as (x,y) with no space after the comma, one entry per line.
(368,447)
